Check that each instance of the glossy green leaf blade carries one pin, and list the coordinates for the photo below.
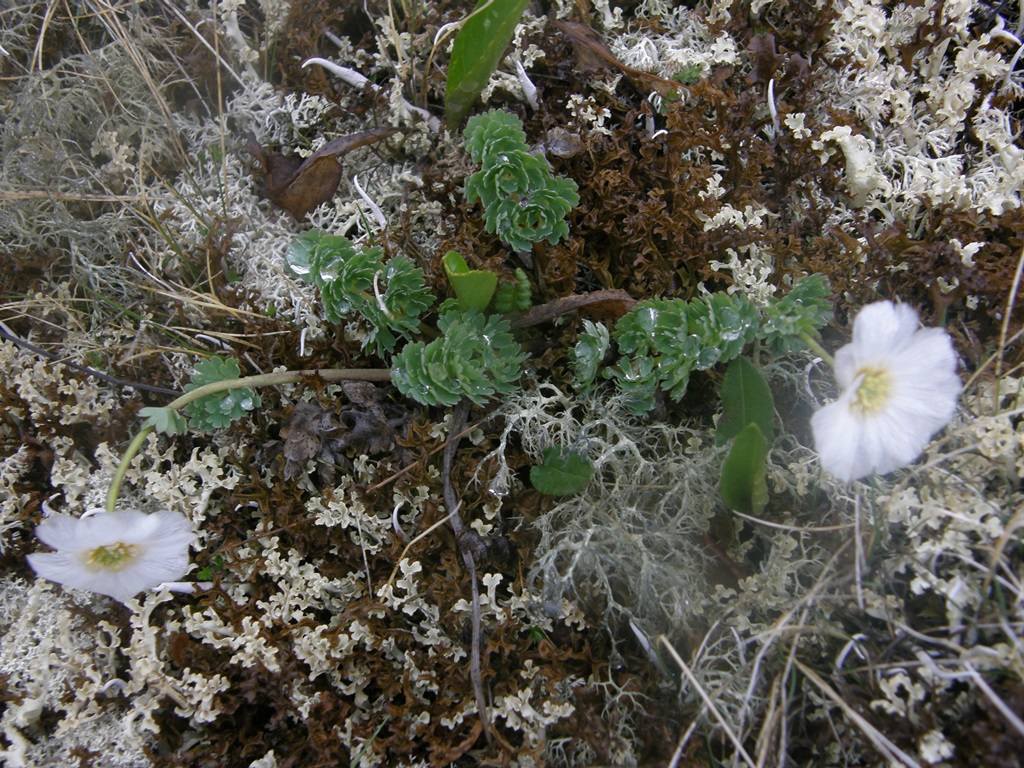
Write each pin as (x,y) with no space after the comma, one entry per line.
(746,399)
(477,50)
(561,471)
(743,486)
(473,287)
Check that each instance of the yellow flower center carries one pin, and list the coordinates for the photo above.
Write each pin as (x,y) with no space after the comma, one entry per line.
(113,557)
(873,392)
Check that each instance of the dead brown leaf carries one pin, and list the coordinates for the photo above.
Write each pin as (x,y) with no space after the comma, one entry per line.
(299,185)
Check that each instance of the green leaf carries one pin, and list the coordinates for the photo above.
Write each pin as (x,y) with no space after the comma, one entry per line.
(725,324)
(561,471)
(517,296)
(800,313)
(523,202)
(479,47)
(206,574)
(390,296)
(743,486)
(218,409)
(637,379)
(746,399)
(473,287)
(166,421)
(588,354)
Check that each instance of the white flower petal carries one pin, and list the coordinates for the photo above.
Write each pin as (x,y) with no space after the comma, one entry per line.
(832,426)
(59,531)
(70,571)
(158,546)
(884,326)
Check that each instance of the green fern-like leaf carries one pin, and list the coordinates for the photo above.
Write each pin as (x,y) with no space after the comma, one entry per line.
(523,202)
(390,296)
(218,410)
(476,357)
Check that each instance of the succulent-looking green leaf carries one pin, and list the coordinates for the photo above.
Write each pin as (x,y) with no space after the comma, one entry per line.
(635,331)
(476,53)
(517,296)
(561,471)
(591,347)
(390,296)
(166,421)
(801,312)
(746,399)
(219,409)
(473,287)
(743,486)
(726,324)
(671,338)
(637,378)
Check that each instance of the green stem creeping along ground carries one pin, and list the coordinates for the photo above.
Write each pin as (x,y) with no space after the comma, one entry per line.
(262,380)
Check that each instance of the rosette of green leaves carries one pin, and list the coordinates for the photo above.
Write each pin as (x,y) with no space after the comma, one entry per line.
(398,301)
(493,132)
(475,357)
(523,202)
(390,296)
(662,341)
(218,410)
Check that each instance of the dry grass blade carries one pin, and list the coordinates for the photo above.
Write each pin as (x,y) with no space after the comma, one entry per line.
(877,739)
(39,194)
(112,21)
(709,703)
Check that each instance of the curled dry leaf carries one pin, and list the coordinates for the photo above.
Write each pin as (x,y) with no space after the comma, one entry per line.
(315,432)
(299,185)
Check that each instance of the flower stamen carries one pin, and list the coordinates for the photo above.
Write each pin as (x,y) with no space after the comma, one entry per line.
(112,557)
(873,391)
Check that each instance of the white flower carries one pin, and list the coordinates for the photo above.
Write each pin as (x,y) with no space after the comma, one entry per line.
(114,553)
(900,388)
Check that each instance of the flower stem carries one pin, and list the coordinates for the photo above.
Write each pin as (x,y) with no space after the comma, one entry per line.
(122,468)
(817,349)
(262,380)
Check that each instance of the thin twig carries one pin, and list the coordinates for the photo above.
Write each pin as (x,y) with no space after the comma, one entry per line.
(458,422)
(8,334)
